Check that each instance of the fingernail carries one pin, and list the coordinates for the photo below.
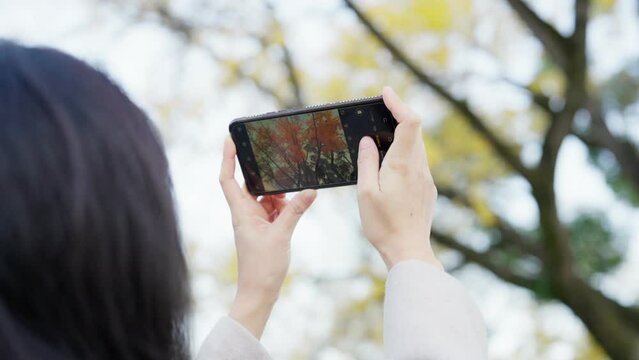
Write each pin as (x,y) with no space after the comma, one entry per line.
(365,143)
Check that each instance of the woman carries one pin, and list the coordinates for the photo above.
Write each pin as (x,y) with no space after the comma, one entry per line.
(91,265)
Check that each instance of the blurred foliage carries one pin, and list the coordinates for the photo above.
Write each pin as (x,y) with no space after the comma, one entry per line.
(622,89)
(595,247)
(620,185)
(590,350)
(458,157)
(468,46)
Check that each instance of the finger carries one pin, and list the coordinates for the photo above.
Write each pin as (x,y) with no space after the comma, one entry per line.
(394,103)
(293,211)
(423,153)
(367,166)
(409,129)
(232,191)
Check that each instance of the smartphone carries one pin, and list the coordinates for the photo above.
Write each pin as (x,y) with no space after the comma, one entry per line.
(309,148)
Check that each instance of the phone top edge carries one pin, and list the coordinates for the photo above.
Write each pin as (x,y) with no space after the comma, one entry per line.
(310,108)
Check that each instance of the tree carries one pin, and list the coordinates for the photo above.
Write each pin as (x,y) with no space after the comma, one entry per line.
(557,260)
(300,150)
(614,326)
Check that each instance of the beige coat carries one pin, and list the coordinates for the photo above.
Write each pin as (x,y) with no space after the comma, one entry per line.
(427,315)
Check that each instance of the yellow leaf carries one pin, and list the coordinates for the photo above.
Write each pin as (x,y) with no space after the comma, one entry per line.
(486,217)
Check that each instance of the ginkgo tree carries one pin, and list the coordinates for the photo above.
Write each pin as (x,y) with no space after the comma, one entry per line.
(420,47)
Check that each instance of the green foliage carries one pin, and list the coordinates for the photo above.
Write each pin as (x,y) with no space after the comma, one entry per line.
(624,188)
(595,248)
(619,184)
(622,89)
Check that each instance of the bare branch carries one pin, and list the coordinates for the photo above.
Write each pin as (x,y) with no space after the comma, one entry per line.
(504,151)
(554,43)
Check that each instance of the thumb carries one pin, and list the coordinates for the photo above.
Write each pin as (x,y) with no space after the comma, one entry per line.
(367,166)
(294,210)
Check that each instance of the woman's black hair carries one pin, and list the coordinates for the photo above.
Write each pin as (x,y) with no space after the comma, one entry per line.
(91,264)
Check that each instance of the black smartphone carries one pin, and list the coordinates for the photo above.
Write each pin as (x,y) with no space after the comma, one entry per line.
(309,148)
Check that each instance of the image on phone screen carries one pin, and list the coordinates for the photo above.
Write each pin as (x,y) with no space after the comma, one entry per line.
(301,151)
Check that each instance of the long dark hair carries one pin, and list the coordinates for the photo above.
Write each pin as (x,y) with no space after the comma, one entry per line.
(91,265)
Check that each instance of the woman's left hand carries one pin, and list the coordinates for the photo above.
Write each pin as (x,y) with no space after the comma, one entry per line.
(263,230)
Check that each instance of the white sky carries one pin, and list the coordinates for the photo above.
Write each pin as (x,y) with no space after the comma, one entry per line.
(327,242)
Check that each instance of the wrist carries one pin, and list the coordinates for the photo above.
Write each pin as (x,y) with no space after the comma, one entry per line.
(252,310)
(397,254)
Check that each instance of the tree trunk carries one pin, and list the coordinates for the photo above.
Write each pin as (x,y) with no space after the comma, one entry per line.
(609,326)
(612,325)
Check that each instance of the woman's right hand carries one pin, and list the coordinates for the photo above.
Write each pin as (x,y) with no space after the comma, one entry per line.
(263,230)
(396,201)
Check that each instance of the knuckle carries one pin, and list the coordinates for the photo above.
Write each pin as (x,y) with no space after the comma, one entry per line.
(362,158)
(400,166)
(413,120)
(365,192)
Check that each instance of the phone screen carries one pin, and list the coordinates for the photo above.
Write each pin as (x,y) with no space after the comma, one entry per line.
(312,149)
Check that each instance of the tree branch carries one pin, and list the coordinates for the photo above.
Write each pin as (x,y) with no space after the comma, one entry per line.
(484,260)
(508,235)
(599,136)
(541,100)
(298,100)
(293,79)
(504,151)
(554,43)
(188,32)
(576,93)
